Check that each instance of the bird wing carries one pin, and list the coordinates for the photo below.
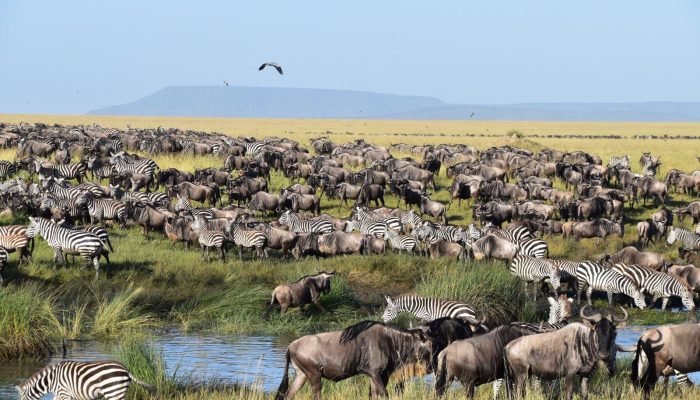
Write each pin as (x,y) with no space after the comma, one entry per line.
(279,69)
(262,66)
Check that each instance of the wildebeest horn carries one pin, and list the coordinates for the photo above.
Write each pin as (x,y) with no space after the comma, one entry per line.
(624,319)
(595,318)
(626,349)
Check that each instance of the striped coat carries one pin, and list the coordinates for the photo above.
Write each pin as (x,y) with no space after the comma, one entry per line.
(66,241)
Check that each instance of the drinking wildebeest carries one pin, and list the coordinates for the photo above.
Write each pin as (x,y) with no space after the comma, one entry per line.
(665,350)
(369,347)
(572,350)
(306,290)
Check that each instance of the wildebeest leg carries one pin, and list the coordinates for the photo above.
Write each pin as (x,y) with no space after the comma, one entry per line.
(299,381)
(377,386)
(319,305)
(315,381)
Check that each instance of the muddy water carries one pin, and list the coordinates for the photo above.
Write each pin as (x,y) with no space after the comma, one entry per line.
(247,359)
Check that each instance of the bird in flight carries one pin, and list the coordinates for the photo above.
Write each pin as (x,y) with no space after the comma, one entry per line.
(471,116)
(271,64)
(226,83)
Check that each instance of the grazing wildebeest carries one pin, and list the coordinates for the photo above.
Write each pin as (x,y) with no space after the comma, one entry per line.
(492,246)
(690,274)
(278,239)
(199,193)
(600,228)
(647,231)
(263,201)
(371,192)
(369,347)
(308,289)
(630,255)
(572,350)
(650,187)
(665,350)
(452,250)
(476,360)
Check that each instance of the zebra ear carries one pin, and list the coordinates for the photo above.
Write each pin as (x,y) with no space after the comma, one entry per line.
(389,301)
(551,300)
(32,219)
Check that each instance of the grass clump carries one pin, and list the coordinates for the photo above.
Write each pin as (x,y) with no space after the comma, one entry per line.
(27,322)
(117,315)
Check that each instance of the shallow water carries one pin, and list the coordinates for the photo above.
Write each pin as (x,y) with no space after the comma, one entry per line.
(248,360)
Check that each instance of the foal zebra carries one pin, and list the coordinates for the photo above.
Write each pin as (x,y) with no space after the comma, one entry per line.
(657,284)
(428,309)
(298,225)
(400,242)
(208,238)
(80,380)
(248,238)
(68,241)
(535,270)
(597,277)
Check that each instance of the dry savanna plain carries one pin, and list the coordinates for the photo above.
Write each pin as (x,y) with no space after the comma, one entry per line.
(150,286)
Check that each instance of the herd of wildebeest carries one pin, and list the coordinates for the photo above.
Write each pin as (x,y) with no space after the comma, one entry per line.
(75,183)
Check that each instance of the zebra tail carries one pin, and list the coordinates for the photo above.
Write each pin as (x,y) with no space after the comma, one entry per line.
(150,388)
(441,374)
(284,385)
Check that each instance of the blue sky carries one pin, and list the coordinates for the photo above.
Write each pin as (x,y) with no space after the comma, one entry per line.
(73,56)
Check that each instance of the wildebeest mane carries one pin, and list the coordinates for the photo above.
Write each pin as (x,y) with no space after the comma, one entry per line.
(353,331)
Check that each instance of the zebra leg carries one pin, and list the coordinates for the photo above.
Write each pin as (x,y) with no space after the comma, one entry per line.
(664,302)
(589,292)
(201,246)
(223,253)
(610,299)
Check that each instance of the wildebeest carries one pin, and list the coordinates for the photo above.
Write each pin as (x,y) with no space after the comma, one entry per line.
(369,347)
(199,193)
(476,360)
(665,350)
(148,217)
(263,201)
(600,228)
(443,248)
(630,255)
(278,239)
(572,350)
(650,187)
(647,231)
(371,192)
(492,246)
(308,289)
(433,208)
(339,243)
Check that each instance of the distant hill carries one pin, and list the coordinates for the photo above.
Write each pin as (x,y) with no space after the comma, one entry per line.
(269,102)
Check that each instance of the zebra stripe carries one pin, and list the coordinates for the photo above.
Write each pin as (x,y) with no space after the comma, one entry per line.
(54,187)
(12,243)
(67,241)
(657,284)
(534,247)
(253,148)
(363,214)
(619,162)
(596,277)
(249,239)
(298,225)
(103,209)
(208,238)
(689,241)
(374,228)
(428,309)
(98,231)
(80,380)
(7,169)
(124,163)
(4,256)
(400,242)
(535,270)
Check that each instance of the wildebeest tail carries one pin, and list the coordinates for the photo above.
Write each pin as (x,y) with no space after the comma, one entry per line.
(272,303)
(284,385)
(642,364)
(441,373)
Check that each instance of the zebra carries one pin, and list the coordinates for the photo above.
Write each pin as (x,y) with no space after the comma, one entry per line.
(535,270)
(99,170)
(690,242)
(520,235)
(103,209)
(433,232)
(515,234)
(649,164)
(208,239)
(96,230)
(80,380)
(75,171)
(143,166)
(657,284)
(4,256)
(248,238)
(12,243)
(363,214)
(56,188)
(568,271)
(428,309)
(68,241)
(374,228)
(412,219)
(619,162)
(533,247)
(253,148)
(298,225)
(68,207)
(7,169)
(597,277)
(400,242)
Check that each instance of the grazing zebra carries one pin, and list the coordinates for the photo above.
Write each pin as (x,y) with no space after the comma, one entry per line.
(531,269)
(208,239)
(400,242)
(7,169)
(4,256)
(597,277)
(80,380)
(66,171)
(412,219)
(568,271)
(67,206)
(248,238)
(298,225)
(68,241)
(619,162)
(428,309)
(658,284)
(363,214)
(374,228)
(99,170)
(12,243)
(689,241)
(432,233)
(125,163)
(103,209)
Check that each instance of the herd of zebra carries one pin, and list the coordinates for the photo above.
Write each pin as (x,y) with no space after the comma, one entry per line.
(124,188)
